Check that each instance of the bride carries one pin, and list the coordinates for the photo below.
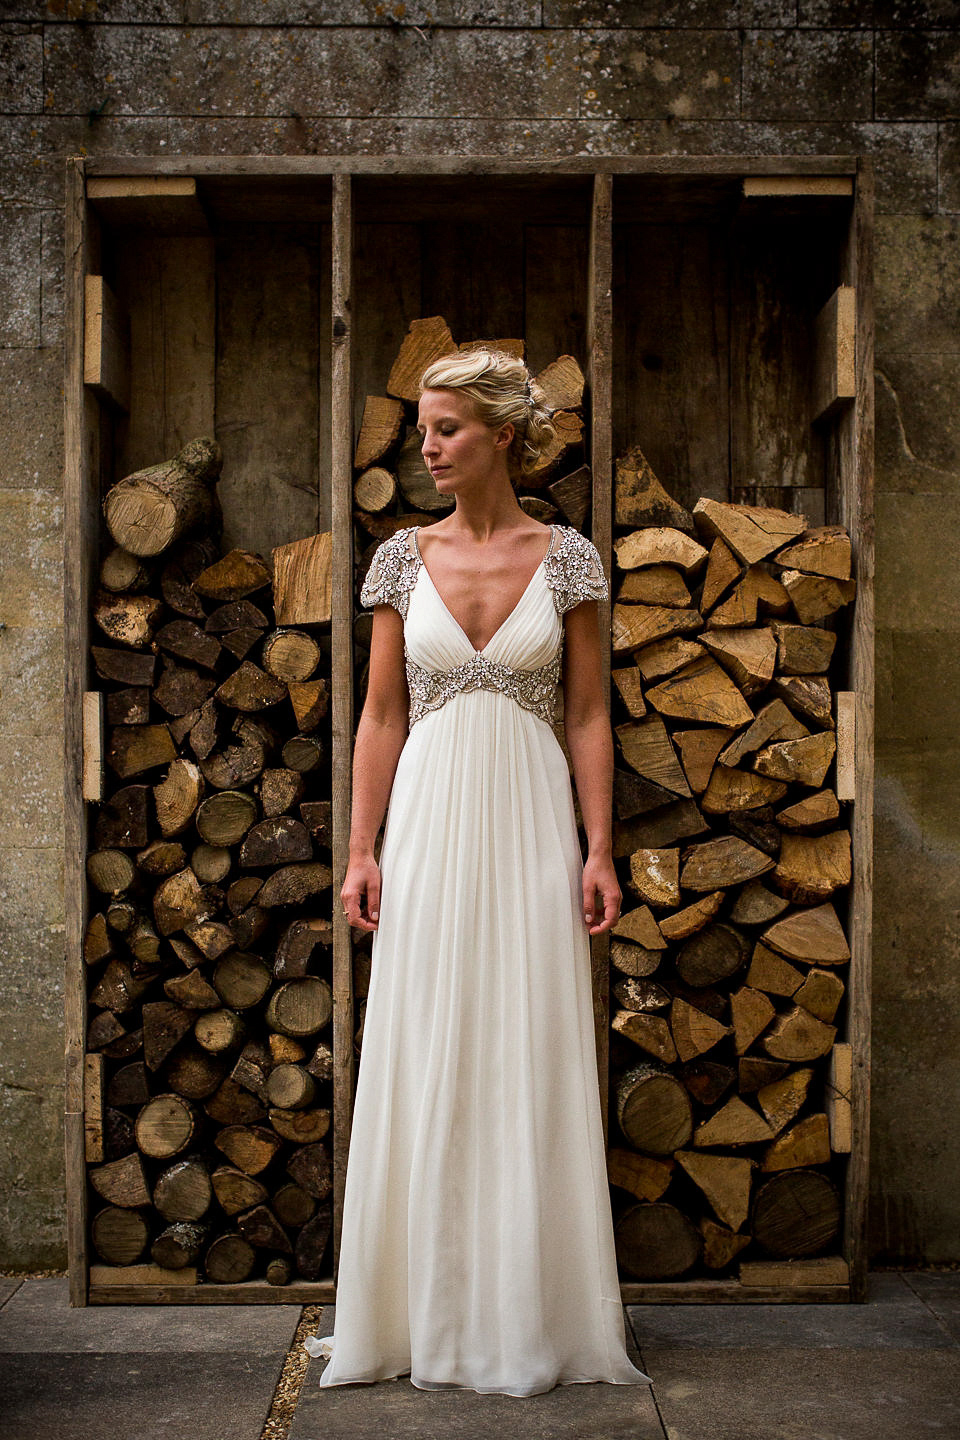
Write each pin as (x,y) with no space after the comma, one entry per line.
(477,1244)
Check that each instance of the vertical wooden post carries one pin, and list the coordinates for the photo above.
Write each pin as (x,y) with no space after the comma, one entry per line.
(855,501)
(600,372)
(341,520)
(80,507)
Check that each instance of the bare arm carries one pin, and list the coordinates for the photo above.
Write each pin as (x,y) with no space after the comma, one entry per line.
(381,734)
(590,742)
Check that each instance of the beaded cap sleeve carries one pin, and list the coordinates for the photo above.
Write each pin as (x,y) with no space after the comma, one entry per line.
(574,571)
(392,574)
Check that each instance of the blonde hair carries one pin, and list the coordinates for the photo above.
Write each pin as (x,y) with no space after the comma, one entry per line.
(503,392)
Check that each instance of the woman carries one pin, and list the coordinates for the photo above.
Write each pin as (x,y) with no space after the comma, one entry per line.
(477,1244)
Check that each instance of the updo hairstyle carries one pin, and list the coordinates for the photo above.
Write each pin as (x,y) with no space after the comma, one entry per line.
(502,391)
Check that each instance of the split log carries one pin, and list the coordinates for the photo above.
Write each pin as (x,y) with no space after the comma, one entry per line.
(810,814)
(751,1012)
(128,1086)
(280,789)
(692,918)
(796,1213)
(755,591)
(716,864)
(134,749)
(628,683)
(821,994)
(567,438)
(734,1124)
(191,992)
(229,1260)
(799,1036)
(648,750)
(656,1242)
(813,867)
(249,1148)
(312,1242)
(302,753)
(233,577)
(561,384)
(748,656)
(654,876)
(127,619)
(724,1180)
(178,901)
(250,689)
(736,790)
(241,980)
(122,821)
(380,430)
(210,863)
(571,493)
(802,649)
(774,722)
(297,946)
(119,1236)
(164,1026)
(698,753)
(751,532)
(193,1073)
(720,1245)
(231,1104)
(641,1175)
(805,761)
(129,707)
(639,927)
(701,691)
(782,1100)
(426,340)
(292,1206)
(772,974)
(310,1168)
(177,796)
(814,936)
(650,1032)
(641,995)
(310,701)
(809,696)
(711,955)
(122,1182)
(658,829)
(665,657)
(633,960)
(211,937)
(300,1127)
(636,626)
(821,551)
(723,569)
(654,585)
(807,1143)
(183,1191)
(150,509)
(179,1245)
(640,499)
(295,884)
(653,1110)
(124,666)
(707,1080)
(290,1088)
(755,1071)
(814,597)
(694,1032)
(219,1031)
(165,1126)
(279,840)
(225,818)
(162,857)
(263,1230)
(659,546)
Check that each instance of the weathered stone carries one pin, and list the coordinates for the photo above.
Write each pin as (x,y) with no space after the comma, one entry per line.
(31,419)
(313,71)
(31,788)
(31,584)
(20,237)
(783,70)
(917,74)
(917,272)
(633,74)
(486,13)
(21,67)
(31,679)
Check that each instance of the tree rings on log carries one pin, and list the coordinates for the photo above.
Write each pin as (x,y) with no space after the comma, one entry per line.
(653,1110)
(656,1242)
(796,1213)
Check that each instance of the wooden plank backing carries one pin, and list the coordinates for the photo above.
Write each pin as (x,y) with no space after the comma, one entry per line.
(81,514)
(106,351)
(780,187)
(600,380)
(93,1108)
(837,1099)
(92,780)
(834,367)
(855,447)
(341,679)
(846,762)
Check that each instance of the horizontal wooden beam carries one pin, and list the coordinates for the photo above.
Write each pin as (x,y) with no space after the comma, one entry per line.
(795,183)
(251,1292)
(159,198)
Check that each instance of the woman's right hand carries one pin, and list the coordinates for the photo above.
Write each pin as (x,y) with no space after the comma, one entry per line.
(360,895)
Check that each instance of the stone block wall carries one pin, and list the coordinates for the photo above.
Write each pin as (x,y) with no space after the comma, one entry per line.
(524,78)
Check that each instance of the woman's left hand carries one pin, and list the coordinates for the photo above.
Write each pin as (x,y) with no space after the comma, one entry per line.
(601,894)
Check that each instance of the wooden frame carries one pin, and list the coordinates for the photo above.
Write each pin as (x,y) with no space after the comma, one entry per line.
(174,192)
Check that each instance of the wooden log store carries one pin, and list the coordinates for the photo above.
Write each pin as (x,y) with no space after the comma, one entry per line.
(238,334)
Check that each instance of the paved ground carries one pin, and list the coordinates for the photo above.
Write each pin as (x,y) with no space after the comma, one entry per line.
(888,1370)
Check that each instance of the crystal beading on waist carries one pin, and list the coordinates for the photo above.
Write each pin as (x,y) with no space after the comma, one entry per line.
(535,690)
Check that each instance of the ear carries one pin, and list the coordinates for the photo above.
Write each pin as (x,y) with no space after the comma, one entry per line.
(504,436)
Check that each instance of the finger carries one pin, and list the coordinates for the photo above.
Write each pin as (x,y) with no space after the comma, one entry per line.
(373,900)
(589,902)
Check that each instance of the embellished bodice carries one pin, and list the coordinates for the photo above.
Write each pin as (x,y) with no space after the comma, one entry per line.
(522,660)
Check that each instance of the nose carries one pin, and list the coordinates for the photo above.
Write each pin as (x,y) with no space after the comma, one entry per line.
(429,446)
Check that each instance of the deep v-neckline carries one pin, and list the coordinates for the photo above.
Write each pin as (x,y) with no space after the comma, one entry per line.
(506,618)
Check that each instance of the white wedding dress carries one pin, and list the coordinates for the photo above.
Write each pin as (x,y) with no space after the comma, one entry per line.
(477,1244)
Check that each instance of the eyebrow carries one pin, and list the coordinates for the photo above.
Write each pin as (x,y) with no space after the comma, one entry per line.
(444,420)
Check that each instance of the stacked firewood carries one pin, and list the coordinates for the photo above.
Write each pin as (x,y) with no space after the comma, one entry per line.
(727,965)
(209,1066)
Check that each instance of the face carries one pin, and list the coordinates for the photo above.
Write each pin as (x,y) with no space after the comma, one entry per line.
(458,449)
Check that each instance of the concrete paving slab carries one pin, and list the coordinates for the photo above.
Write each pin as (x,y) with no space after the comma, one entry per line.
(38,1319)
(892,1317)
(797,1394)
(941,1293)
(398,1410)
(137,1396)
(9,1285)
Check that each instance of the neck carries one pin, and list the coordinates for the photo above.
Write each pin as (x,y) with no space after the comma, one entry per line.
(482,514)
